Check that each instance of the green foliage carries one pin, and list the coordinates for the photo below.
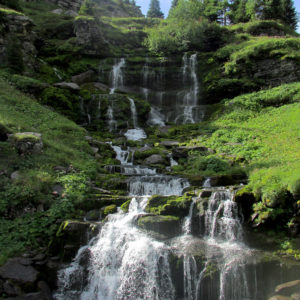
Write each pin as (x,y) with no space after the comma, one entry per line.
(175,35)
(280,48)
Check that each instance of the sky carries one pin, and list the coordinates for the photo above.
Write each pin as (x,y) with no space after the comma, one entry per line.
(165,6)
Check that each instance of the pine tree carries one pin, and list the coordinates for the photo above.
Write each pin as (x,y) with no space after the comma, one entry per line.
(289,15)
(174,3)
(213,10)
(272,10)
(154,10)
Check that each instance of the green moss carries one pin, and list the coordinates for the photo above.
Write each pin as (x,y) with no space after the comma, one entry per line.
(9,11)
(110,209)
(125,206)
(169,205)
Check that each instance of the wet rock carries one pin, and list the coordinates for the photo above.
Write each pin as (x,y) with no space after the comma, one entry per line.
(87,76)
(10,289)
(110,209)
(102,87)
(163,225)
(15,271)
(27,142)
(45,290)
(288,288)
(170,144)
(154,159)
(68,85)
(93,215)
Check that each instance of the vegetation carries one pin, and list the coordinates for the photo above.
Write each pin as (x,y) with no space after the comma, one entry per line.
(154,10)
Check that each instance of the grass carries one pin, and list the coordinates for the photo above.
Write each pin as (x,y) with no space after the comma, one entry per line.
(64,145)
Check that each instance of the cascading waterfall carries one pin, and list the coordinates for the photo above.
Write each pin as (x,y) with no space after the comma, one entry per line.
(117,76)
(189,100)
(123,262)
(136,133)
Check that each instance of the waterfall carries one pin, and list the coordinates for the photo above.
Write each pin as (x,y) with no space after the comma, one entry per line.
(112,123)
(189,100)
(156,118)
(137,133)
(117,76)
(223,232)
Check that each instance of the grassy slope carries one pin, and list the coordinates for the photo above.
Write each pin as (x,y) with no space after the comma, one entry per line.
(65,145)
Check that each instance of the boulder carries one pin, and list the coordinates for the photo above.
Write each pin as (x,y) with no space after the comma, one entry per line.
(170,144)
(68,85)
(279,297)
(57,11)
(85,77)
(93,215)
(27,142)
(16,272)
(168,226)
(154,159)
(101,86)
(288,288)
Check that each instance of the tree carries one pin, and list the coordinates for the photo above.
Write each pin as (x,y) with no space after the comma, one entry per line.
(154,10)
(174,3)
(272,10)
(289,15)
(213,10)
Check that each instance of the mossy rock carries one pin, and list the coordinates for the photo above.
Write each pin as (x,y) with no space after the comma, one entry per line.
(125,206)
(169,205)
(110,209)
(27,142)
(168,226)
(245,198)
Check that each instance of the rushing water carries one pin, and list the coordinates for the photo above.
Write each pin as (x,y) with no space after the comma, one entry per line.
(117,76)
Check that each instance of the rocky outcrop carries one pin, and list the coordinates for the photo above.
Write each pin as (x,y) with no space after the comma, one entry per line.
(89,36)
(17,39)
(68,4)
(27,142)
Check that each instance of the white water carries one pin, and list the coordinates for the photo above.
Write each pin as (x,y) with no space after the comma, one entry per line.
(137,133)
(156,118)
(117,76)
(189,100)
(112,123)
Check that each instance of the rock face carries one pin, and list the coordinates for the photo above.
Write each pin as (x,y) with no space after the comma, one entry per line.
(68,4)
(154,159)
(89,36)
(84,77)
(27,142)
(17,34)
(17,272)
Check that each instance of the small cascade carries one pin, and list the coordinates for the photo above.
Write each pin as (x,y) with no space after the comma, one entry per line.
(207,183)
(156,118)
(137,133)
(124,155)
(117,76)
(189,100)
(112,123)
(157,185)
(124,263)
(187,224)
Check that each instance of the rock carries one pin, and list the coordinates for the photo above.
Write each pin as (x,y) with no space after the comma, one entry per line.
(170,144)
(32,296)
(57,11)
(87,76)
(93,215)
(15,176)
(145,148)
(10,289)
(102,87)
(68,85)
(110,209)
(45,290)
(71,13)
(27,142)
(89,37)
(39,257)
(205,194)
(279,297)
(95,150)
(15,271)
(165,225)
(295,297)
(288,288)
(154,159)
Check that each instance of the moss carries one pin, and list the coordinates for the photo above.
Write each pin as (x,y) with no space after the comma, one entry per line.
(8,11)
(125,206)
(169,205)
(110,209)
